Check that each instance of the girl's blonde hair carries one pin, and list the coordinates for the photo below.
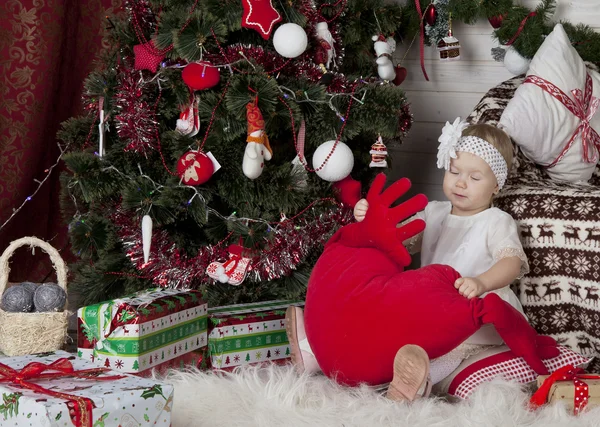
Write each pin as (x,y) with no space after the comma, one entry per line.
(497,137)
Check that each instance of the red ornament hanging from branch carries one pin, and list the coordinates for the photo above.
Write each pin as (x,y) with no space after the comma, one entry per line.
(260,15)
(200,75)
(496,21)
(195,168)
(431,15)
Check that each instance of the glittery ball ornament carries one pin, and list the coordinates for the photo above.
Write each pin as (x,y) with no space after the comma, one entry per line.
(339,161)
(195,168)
(17,299)
(49,297)
(200,75)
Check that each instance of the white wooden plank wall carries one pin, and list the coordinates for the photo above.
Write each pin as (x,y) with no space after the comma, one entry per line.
(454,89)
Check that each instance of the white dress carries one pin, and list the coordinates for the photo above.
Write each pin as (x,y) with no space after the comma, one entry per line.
(471,245)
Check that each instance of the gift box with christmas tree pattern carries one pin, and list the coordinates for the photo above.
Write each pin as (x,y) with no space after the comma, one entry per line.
(248,333)
(194,359)
(144,330)
(58,389)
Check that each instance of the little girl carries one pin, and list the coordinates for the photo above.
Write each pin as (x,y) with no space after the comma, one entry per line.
(479,241)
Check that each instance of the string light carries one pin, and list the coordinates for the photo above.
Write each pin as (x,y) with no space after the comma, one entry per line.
(274,226)
(39,186)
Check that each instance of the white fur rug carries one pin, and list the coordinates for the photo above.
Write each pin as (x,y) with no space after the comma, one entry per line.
(276,396)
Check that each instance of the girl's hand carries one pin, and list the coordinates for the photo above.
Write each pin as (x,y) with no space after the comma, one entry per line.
(360,210)
(469,287)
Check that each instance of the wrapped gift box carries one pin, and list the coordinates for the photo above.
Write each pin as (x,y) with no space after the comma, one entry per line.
(194,359)
(144,330)
(248,333)
(570,392)
(90,396)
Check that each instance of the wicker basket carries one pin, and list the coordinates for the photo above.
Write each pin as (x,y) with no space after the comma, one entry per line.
(29,333)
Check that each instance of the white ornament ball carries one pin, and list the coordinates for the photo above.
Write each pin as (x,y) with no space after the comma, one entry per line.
(338,166)
(290,40)
(515,63)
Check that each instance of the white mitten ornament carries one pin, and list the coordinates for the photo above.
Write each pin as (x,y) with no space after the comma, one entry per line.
(257,149)
(232,271)
(384,49)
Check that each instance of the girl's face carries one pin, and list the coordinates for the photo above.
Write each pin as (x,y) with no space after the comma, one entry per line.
(469,184)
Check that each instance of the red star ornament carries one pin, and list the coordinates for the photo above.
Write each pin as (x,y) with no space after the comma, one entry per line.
(146,57)
(260,15)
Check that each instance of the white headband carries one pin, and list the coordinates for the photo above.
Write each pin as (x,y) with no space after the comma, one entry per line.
(452,141)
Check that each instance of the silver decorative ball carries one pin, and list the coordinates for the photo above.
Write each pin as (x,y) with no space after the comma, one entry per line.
(17,299)
(49,297)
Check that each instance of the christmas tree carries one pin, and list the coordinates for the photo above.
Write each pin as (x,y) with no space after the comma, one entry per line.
(188,84)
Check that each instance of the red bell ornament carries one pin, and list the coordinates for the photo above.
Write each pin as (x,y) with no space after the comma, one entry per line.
(431,15)
(200,75)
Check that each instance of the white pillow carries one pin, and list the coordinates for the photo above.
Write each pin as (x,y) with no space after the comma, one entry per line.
(539,123)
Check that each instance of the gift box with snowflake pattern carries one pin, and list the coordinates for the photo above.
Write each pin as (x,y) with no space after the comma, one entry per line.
(248,333)
(144,330)
(58,389)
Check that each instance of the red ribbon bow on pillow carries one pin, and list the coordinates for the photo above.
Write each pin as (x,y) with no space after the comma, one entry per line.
(566,373)
(584,107)
(80,408)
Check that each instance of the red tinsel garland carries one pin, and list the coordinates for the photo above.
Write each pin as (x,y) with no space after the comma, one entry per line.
(272,60)
(313,14)
(141,12)
(170,267)
(135,119)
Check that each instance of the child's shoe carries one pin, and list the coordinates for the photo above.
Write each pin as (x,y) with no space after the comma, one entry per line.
(411,374)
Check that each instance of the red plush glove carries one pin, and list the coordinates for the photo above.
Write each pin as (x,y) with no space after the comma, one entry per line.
(379,229)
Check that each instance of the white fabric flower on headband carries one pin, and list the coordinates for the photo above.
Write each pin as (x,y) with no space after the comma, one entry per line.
(452,141)
(449,138)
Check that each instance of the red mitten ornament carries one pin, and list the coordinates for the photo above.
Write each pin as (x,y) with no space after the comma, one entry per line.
(200,75)
(234,270)
(260,15)
(147,57)
(195,168)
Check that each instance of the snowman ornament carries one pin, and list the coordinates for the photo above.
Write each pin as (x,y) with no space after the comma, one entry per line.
(384,49)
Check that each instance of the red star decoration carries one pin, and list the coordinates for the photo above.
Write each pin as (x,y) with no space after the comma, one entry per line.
(146,57)
(260,15)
